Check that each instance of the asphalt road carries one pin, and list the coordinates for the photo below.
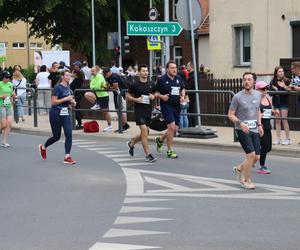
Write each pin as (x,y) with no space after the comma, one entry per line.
(110,201)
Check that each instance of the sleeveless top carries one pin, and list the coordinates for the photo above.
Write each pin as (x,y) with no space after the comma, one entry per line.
(266,111)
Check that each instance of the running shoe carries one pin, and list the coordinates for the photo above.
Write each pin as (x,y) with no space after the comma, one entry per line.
(131,148)
(286,142)
(95,107)
(150,158)
(238,173)
(126,126)
(69,160)
(158,145)
(79,127)
(172,154)
(5,145)
(108,128)
(43,152)
(247,185)
(276,142)
(263,170)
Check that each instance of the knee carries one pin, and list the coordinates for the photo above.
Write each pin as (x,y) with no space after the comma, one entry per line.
(256,158)
(251,156)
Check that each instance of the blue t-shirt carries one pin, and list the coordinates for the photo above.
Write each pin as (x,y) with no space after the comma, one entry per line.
(166,85)
(61,91)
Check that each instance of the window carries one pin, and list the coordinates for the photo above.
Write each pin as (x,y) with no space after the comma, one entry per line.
(18,45)
(36,45)
(242,46)
(157,57)
(6,44)
(174,4)
(296,36)
(178,55)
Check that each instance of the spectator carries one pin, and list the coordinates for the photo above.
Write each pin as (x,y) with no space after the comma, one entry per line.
(86,70)
(114,69)
(190,85)
(281,102)
(43,85)
(19,83)
(77,84)
(62,66)
(54,74)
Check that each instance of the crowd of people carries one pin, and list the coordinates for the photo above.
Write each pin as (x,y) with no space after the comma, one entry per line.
(251,109)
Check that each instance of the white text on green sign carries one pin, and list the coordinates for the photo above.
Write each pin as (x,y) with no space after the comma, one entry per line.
(139,28)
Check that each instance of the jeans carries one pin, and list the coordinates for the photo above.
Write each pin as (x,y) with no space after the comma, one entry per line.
(184,121)
(20,103)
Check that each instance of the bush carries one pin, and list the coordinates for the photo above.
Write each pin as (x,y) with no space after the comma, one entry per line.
(29,74)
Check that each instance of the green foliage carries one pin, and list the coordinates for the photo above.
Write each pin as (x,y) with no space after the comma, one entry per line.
(29,74)
(66,21)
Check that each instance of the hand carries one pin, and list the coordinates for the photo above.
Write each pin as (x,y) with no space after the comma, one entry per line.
(69,98)
(245,128)
(165,97)
(274,88)
(152,97)
(73,104)
(181,99)
(260,131)
(139,100)
(276,112)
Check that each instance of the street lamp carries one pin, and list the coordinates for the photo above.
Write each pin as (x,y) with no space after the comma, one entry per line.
(93,33)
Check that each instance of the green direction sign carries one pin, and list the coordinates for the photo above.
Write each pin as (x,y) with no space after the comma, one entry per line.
(140,28)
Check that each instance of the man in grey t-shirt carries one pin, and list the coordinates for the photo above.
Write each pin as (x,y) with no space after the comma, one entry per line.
(245,114)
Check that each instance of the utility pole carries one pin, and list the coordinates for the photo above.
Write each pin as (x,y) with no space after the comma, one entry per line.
(119,33)
(150,53)
(167,39)
(93,33)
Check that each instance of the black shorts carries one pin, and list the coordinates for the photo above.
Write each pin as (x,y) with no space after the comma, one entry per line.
(143,120)
(249,142)
(170,114)
(103,102)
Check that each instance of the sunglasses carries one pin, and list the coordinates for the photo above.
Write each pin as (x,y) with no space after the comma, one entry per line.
(264,89)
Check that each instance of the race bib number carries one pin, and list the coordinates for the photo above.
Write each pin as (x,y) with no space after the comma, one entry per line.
(251,123)
(64,111)
(267,113)
(6,101)
(175,91)
(145,99)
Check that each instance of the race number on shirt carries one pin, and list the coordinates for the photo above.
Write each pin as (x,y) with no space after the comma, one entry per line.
(251,123)
(64,111)
(175,91)
(267,114)
(145,99)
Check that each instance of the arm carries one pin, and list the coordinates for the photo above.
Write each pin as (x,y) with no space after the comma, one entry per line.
(131,98)
(232,117)
(56,101)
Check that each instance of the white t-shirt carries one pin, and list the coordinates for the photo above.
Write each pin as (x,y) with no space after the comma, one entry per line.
(42,80)
(21,84)
(87,72)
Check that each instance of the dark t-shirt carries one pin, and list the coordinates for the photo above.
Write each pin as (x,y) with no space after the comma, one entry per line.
(61,91)
(281,99)
(54,77)
(137,89)
(173,87)
(113,79)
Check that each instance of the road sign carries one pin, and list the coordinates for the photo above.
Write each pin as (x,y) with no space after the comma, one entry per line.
(153,14)
(148,28)
(182,13)
(2,52)
(152,45)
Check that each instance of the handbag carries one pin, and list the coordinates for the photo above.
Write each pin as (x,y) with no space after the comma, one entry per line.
(157,121)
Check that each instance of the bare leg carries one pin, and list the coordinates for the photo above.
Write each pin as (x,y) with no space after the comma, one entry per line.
(6,130)
(247,166)
(284,114)
(278,126)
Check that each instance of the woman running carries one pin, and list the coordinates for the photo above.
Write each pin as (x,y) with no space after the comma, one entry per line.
(59,116)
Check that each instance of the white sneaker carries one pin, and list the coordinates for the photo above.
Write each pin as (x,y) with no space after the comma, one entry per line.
(277,142)
(286,142)
(108,128)
(95,107)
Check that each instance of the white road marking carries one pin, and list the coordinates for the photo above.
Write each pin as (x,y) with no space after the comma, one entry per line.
(95,149)
(92,146)
(113,246)
(127,159)
(128,209)
(135,187)
(140,200)
(116,232)
(135,164)
(116,155)
(132,220)
(84,142)
(109,152)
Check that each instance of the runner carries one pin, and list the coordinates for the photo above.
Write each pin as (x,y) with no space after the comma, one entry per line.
(266,109)
(6,97)
(59,117)
(141,93)
(171,92)
(245,114)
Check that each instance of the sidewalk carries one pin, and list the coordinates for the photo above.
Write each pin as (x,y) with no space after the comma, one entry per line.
(224,141)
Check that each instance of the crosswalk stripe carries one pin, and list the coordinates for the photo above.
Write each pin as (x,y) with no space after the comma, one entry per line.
(140,200)
(109,152)
(135,164)
(116,232)
(129,209)
(127,159)
(116,155)
(95,149)
(84,142)
(114,246)
(132,220)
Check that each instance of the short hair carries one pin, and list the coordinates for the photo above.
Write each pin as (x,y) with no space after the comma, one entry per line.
(63,72)
(54,64)
(170,62)
(85,63)
(43,68)
(142,66)
(250,73)
(296,64)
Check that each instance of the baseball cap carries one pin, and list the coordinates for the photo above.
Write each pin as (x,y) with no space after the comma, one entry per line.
(6,74)
(62,63)
(78,63)
(105,70)
(261,85)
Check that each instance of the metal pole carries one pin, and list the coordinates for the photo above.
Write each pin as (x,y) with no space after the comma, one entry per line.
(150,53)
(119,33)
(167,39)
(93,33)
(28,49)
(194,61)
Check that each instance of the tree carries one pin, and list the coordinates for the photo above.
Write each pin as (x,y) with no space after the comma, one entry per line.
(67,21)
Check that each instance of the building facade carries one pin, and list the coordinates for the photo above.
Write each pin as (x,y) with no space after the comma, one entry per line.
(252,35)
(19,48)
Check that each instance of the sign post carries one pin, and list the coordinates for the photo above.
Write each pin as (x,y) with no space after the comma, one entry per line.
(2,54)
